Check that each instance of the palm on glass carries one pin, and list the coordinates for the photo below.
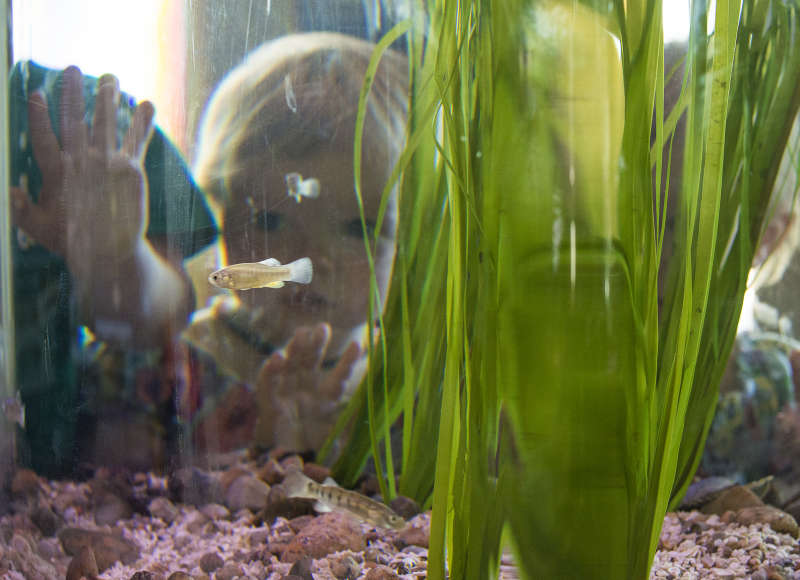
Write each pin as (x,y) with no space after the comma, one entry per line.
(93,201)
(298,400)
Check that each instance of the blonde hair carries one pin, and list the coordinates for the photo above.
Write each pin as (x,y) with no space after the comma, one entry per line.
(294,95)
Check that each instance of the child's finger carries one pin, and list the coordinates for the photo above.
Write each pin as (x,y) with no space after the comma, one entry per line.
(272,377)
(46,150)
(104,126)
(320,337)
(308,346)
(30,218)
(271,369)
(334,383)
(298,346)
(138,136)
(73,129)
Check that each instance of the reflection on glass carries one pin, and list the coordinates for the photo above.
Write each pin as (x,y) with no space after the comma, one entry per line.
(103,203)
(253,145)
(195,284)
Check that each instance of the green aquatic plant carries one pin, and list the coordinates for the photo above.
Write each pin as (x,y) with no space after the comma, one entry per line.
(764,99)
(539,388)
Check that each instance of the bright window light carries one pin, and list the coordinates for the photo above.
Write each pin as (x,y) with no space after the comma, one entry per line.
(676,20)
(99,36)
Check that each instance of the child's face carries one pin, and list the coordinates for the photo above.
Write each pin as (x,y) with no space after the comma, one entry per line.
(261,221)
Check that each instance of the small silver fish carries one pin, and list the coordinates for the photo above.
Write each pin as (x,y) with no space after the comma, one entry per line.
(298,188)
(332,497)
(268,273)
(14,410)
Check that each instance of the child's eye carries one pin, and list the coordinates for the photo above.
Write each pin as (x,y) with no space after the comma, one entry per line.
(354,228)
(267,220)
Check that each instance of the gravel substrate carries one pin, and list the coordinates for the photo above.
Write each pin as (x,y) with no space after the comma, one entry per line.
(51,522)
(695,545)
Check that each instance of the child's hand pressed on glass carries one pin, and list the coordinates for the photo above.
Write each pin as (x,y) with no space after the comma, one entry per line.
(298,400)
(93,201)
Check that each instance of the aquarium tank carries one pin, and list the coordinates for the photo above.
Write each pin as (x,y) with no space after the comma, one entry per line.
(365,289)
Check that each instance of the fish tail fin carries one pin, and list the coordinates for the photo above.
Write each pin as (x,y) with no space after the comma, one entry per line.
(295,484)
(311,188)
(300,271)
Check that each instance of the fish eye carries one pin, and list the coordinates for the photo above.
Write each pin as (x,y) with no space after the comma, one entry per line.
(267,220)
(354,229)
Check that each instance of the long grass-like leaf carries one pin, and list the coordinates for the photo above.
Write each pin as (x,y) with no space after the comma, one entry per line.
(542,171)
(388,489)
